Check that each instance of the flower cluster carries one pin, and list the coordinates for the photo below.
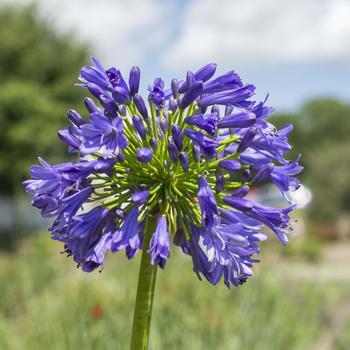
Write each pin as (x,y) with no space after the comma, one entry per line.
(186,157)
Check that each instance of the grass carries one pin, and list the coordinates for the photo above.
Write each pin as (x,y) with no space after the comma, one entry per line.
(343,340)
(46,303)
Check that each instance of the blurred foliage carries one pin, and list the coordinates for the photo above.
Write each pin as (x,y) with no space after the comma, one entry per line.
(321,133)
(309,249)
(55,306)
(37,69)
(342,341)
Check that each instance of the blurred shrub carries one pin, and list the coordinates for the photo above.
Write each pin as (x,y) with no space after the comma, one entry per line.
(37,68)
(55,306)
(309,249)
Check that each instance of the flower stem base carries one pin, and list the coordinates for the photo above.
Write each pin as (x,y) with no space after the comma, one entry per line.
(145,292)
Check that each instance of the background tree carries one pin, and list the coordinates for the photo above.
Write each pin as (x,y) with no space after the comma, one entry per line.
(37,68)
(321,133)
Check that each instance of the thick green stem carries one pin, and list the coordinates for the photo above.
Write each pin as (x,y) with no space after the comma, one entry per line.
(145,292)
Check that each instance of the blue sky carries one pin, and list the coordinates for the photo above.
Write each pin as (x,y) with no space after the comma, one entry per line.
(294,50)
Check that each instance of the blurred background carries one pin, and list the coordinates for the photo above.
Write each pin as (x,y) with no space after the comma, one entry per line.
(298,52)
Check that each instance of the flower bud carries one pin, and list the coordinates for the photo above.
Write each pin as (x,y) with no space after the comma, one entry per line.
(134,80)
(190,78)
(173,152)
(177,136)
(246,140)
(242,119)
(75,118)
(206,122)
(144,155)
(220,183)
(191,94)
(153,143)
(95,90)
(173,104)
(161,134)
(263,173)
(90,105)
(241,192)
(92,75)
(109,105)
(69,139)
(238,203)
(230,165)
(196,151)
(206,72)
(141,106)
(203,74)
(183,158)
(121,95)
(174,87)
(138,125)
(163,125)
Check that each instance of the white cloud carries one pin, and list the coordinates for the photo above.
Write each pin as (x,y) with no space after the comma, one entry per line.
(120,32)
(231,31)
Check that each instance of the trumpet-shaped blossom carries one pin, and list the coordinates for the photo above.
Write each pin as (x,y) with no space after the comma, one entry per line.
(160,243)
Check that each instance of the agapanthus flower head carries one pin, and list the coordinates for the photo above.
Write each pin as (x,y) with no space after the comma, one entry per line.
(185,156)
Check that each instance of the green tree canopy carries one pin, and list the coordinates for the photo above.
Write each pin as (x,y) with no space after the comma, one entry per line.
(321,134)
(37,69)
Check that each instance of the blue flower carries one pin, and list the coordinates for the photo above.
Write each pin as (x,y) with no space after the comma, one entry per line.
(203,74)
(206,201)
(103,135)
(281,176)
(191,94)
(83,233)
(177,157)
(157,92)
(46,179)
(128,235)
(274,218)
(207,145)
(96,254)
(240,119)
(67,208)
(228,97)
(160,243)
(95,74)
(229,247)
(228,81)
(205,122)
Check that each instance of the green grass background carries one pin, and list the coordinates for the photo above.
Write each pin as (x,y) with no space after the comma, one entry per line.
(46,303)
